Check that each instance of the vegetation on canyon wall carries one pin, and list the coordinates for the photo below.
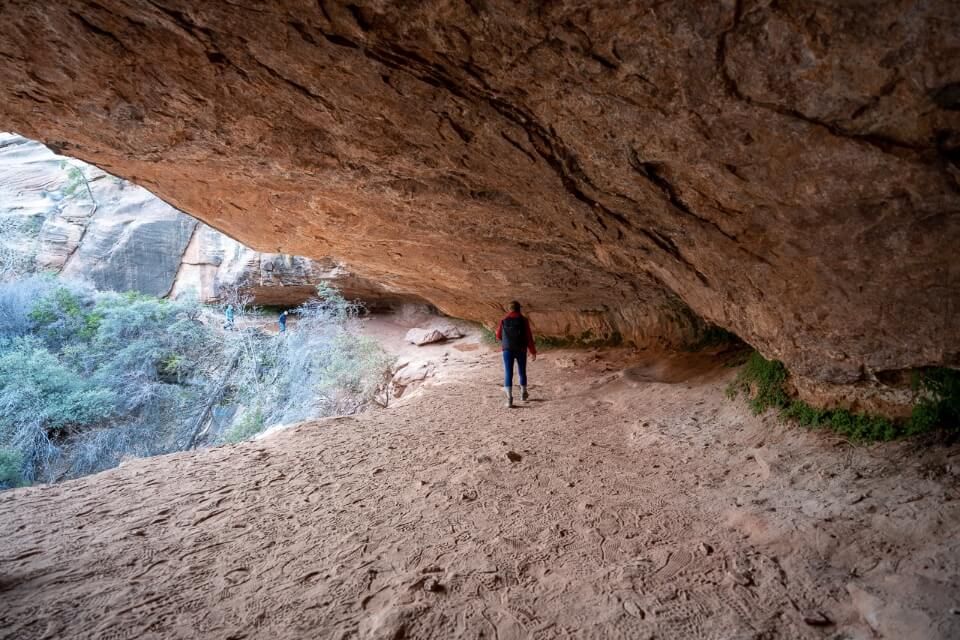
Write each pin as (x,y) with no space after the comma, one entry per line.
(88,378)
(936,390)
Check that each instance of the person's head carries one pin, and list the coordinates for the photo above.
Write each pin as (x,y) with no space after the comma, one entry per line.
(515,306)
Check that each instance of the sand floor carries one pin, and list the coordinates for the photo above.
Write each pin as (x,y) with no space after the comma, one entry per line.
(628,499)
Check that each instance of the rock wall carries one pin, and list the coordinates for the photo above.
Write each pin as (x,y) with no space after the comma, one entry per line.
(65,216)
(213,263)
(787,170)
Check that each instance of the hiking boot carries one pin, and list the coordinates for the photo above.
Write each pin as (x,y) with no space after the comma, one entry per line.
(509,393)
(523,394)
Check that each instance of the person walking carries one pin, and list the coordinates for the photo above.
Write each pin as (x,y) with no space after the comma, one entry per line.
(516,338)
(282,321)
(229,314)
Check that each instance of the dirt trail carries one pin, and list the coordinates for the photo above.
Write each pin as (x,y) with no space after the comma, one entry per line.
(628,499)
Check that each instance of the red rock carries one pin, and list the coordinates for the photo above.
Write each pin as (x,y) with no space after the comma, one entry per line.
(787,171)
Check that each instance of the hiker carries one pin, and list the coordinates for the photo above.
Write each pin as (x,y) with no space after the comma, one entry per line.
(282,320)
(515,335)
(229,313)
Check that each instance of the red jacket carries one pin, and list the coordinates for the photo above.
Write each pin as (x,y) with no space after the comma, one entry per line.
(531,346)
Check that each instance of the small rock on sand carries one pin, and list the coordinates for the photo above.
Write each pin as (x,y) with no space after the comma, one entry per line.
(741,578)
(432,585)
(437,333)
(817,619)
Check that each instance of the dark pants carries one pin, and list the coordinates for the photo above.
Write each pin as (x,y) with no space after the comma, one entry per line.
(508,359)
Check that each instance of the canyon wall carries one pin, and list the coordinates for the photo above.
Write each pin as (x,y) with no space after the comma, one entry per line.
(787,170)
(63,216)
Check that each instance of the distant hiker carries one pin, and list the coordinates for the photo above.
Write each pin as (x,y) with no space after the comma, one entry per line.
(282,320)
(515,335)
(229,313)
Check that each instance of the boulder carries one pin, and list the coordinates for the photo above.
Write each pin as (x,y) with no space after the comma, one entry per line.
(421,337)
(435,333)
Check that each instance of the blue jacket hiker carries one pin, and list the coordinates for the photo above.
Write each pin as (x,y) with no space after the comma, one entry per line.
(516,338)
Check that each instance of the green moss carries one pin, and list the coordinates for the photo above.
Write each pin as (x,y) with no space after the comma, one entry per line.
(856,426)
(763,383)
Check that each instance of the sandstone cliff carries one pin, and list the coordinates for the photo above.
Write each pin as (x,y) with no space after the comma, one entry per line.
(787,170)
(68,217)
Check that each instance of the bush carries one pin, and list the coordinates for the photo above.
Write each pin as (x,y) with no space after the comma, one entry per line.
(487,335)
(18,244)
(763,382)
(36,386)
(317,368)
(249,425)
(17,300)
(43,401)
(856,426)
(938,402)
(11,463)
(88,378)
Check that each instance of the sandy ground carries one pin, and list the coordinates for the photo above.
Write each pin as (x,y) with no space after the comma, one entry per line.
(627,499)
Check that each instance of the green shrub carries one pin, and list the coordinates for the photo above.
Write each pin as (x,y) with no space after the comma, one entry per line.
(487,335)
(60,316)
(36,387)
(938,401)
(17,301)
(88,378)
(100,376)
(856,426)
(11,463)
(319,367)
(250,424)
(763,382)
(42,402)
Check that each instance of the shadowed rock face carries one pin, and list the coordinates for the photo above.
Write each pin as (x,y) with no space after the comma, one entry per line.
(787,170)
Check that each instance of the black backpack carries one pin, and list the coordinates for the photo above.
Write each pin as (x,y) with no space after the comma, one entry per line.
(515,334)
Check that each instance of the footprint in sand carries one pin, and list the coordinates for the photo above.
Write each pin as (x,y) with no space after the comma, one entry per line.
(236,577)
(676,562)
